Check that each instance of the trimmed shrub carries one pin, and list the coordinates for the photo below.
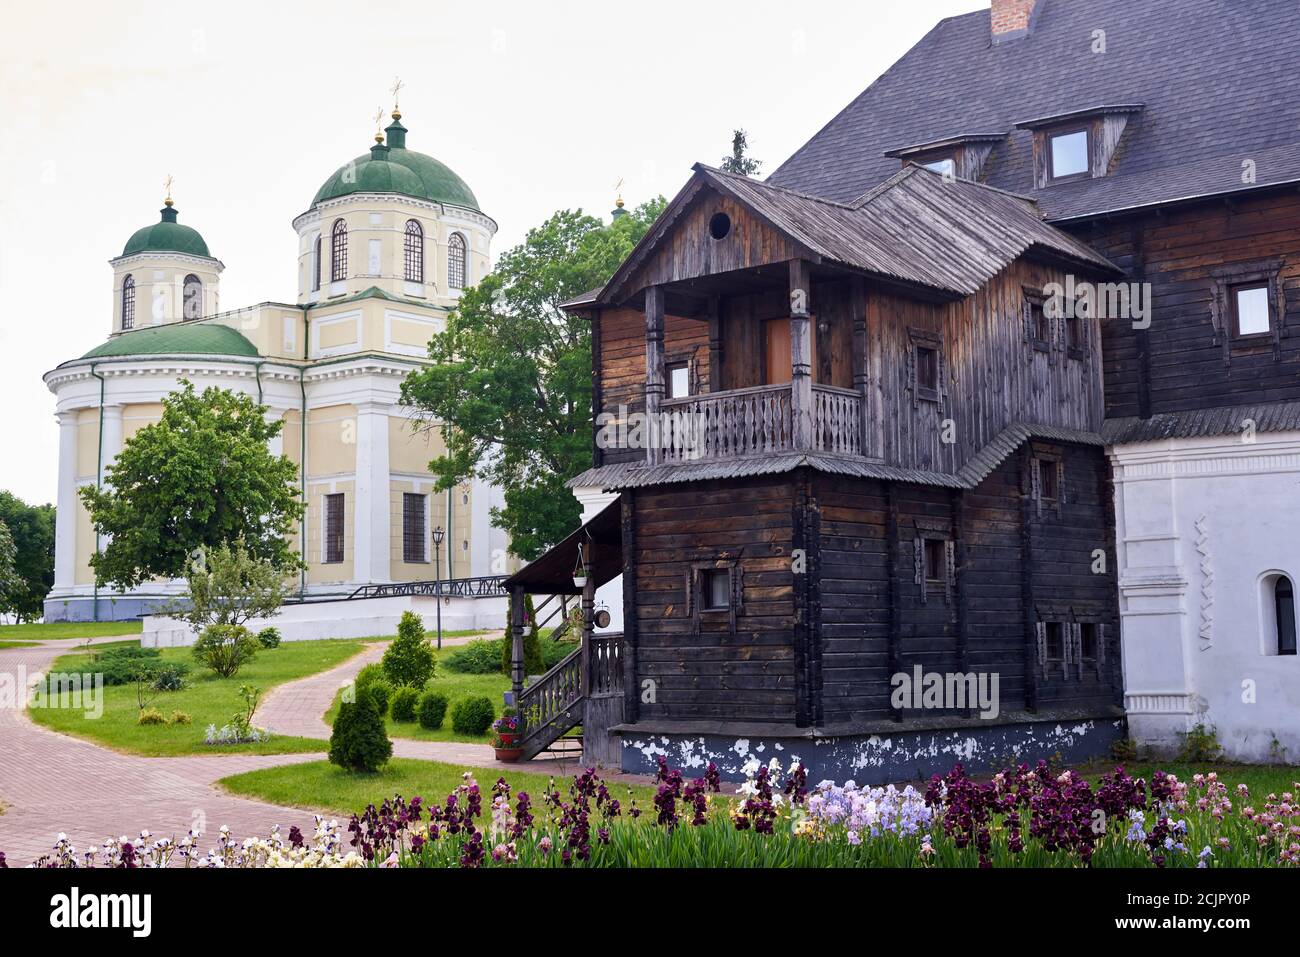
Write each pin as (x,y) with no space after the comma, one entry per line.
(378,693)
(151,716)
(225,648)
(368,674)
(119,666)
(479,656)
(431,710)
(472,716)
(171,677)
(404,703)
(359,741)
(269,638)
(180,717)
(409,659)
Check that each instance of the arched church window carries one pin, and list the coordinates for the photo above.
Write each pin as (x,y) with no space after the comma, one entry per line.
(456,261)
(1284,605)
(414,252)
(192,299)
(339,252)
(128,302)
(315,264)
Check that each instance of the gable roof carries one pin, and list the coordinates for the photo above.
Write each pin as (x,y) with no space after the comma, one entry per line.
(917,227)
(1217,82)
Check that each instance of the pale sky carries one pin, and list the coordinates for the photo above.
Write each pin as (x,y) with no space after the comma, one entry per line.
(251,106)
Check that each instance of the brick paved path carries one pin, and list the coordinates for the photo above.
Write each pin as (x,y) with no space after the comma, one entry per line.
(50,782)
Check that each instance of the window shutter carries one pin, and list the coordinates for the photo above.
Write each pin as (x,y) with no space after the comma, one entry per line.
(942,365)
(1101,650)
(1040,633)
(1060,485)
(918,561)
(1035,484)
(1067,639)
(950,567)
(910,375)
(1027,319)
(1076,642)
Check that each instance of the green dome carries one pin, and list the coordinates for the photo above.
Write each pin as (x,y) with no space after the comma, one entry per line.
(395,169)
(167,236)
(176,339)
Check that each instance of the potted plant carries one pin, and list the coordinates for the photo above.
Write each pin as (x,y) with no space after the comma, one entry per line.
(505,736)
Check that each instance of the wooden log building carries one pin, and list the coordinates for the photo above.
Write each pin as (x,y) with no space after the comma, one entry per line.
(932,403)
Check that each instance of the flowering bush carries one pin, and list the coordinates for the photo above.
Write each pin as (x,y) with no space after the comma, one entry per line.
(1020,817)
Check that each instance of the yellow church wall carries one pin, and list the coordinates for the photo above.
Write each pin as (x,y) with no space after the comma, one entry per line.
(461,506)
(136,417)
(332,440)
(291,436)
(87,443)
(409,450)
(319,572)
(85,575)
(401,569)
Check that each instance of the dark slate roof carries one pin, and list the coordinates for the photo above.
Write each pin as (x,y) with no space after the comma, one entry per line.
(1217,82)
(916,227)
(639,475)
(1199,423)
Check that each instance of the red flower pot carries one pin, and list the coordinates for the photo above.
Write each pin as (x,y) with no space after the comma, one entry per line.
(509,755)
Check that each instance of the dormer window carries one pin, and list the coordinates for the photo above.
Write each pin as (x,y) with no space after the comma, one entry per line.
(1250,310)
(945,166)
(1068,154)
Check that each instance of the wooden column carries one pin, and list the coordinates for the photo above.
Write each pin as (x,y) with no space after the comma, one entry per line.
(517,643)
(715,345)
(893,635)
(588,614)
(654,369)
(631,687)
(861,373)
(1028,612)
(801,398)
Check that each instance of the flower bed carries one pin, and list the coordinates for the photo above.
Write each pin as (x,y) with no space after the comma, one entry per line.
(1019,818)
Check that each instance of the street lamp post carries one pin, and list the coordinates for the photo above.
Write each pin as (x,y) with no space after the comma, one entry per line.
(437,574)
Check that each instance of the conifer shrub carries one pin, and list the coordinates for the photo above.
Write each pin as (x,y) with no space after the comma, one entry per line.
(431,710)
(472,716)
(359,741)
(409,659)
(404,703)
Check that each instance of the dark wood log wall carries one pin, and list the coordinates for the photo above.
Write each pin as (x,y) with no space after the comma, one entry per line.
(701,665)
(1177,253)
(820,648)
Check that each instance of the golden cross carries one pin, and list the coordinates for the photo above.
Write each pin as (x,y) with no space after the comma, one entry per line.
(379,120)
(167,183)
(396,88)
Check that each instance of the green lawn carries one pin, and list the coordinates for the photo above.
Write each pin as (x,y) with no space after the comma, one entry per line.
(1260,778)
(455,687)
(320,786)
(207,699)
(67,629)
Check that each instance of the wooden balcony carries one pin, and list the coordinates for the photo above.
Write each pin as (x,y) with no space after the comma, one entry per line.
(756,422)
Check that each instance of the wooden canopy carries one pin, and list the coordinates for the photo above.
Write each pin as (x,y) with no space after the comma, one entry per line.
(552,573)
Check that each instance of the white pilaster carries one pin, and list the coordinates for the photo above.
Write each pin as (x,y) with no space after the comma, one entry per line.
(371,556)
(65,520)
(110,438)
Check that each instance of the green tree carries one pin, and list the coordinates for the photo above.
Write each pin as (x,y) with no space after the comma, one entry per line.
(511,379)
(32,528)
(9,580)
(200,477)
(738,162)
(227,585)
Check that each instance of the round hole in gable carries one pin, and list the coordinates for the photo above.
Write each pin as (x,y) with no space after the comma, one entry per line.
(719,225)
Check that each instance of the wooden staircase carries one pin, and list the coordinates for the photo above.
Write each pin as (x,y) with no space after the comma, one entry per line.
(556,703)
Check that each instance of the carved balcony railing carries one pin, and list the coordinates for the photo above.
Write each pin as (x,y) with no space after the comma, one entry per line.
(605,664)
(753,422)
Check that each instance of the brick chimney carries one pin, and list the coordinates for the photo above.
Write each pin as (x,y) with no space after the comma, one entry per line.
(1011,19)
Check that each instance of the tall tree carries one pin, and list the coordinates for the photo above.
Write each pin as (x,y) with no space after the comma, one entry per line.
(511,379)
(738,162)
(32,528)
(200,477)
(9,580)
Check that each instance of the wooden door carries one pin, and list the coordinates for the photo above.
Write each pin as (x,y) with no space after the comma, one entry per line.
(776,351)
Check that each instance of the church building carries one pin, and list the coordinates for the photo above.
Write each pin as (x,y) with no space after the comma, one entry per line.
(384,249)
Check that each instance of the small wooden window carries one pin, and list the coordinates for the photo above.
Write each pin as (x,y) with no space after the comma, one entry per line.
(715,589)
(927,372)
(945,166)
(679,380)
(1088,641)
(414,539)
(1049,489)
(1067,154)
(414,251)
(1055,648)
(936,559)
(339,251)
(456,261)
(334,528)
(1040,327)
(128,302)
(192,299)
(1284,605)
(1074,340)
(1251,310)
